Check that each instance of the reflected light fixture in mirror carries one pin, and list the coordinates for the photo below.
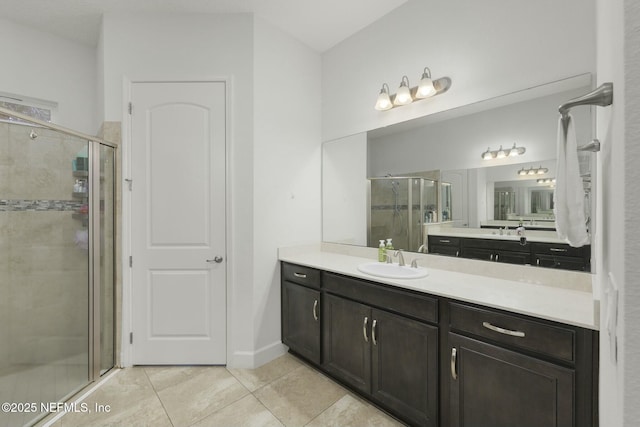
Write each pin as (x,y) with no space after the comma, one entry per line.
(406,94)
(502,153)
(533,171)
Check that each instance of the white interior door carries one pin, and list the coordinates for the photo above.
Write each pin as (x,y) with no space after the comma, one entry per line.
(178,225)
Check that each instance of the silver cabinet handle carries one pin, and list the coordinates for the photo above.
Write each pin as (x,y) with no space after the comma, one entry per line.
(445,241)
(557,250)
(458,253)
(373,332)
(537,261)
(315,310)
(300,275)
(497,257)
(491,257)
(364,329)
(454,357)
(217,260)
(494,328)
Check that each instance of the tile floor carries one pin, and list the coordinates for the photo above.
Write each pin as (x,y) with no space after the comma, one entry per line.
(284,392)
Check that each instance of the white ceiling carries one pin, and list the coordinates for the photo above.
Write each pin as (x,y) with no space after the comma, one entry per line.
(320,24)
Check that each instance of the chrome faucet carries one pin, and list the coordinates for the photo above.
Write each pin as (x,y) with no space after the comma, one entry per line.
(400,257)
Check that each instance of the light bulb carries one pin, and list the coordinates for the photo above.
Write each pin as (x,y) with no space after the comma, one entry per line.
(501,154)
(487,154)
(531,171)
(383,102)
(514,151)
(425,87)
(403,95)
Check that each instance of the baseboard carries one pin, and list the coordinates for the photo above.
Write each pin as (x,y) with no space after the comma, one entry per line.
(255,359)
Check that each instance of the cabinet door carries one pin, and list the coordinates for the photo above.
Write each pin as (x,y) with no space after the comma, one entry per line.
(301,320)
(405,367)
(494,387)
(346,341)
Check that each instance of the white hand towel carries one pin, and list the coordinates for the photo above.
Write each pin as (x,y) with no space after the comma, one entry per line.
(568,197)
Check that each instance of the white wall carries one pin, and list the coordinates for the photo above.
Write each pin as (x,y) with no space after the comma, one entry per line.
(286,168)
(487,48)
(274,142)
(618,128)
(192,47)
(632,213)
(44,66)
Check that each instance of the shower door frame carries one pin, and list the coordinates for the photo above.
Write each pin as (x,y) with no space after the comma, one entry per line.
(93,279)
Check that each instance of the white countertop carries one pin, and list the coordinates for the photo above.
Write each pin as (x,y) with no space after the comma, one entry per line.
(574,306)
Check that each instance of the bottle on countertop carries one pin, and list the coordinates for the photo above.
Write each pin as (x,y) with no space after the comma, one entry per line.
(382,251)
(389,245)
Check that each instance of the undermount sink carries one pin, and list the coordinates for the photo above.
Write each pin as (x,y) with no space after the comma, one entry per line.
(392,271)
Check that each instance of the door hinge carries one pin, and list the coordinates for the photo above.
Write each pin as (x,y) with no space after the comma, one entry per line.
(130,108)
(130,182)
(130,337)
(130,261)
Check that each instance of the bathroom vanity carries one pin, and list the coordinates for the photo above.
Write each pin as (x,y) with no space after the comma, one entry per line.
(449,349)
(509,249)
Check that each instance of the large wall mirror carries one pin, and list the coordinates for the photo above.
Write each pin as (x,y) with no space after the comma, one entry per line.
(428,173)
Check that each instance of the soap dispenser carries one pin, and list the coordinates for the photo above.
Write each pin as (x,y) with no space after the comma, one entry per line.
(382,251)
(389,245)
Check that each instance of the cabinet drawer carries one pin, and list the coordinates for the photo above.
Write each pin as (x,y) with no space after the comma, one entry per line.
(559,249)
(496,244)
(406,303)
(444,240)
(563,262)
(554,341)
(302,275)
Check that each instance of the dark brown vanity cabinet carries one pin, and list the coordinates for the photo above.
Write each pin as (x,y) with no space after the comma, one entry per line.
(301,311)
(433,361)
(549,255)
(505,370)
(391,358)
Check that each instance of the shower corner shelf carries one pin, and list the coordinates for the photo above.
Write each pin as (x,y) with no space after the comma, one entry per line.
(80,195)
(81,174)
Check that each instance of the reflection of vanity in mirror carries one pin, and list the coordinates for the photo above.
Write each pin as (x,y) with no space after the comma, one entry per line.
(425,184)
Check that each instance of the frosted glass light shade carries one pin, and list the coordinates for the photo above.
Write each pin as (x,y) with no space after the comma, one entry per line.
(403,95)
(384,101)
(425,88)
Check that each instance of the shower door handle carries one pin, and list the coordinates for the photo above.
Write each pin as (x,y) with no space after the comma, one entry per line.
(217,260)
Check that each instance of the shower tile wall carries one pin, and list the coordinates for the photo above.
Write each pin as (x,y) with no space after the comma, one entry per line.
(43,267)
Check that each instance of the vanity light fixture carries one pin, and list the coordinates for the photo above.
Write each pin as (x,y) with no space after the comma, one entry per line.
(546,181)
(406,94)
(502,153)
(533,171)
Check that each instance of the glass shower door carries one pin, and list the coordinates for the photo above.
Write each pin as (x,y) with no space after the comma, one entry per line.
(44,269)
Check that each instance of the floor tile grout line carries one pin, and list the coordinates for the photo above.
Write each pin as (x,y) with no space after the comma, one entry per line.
(153,387)
(225,406)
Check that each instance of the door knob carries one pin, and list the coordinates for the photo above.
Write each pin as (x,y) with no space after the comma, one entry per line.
(217,259)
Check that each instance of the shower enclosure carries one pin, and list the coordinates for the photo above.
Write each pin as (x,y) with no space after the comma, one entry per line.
(399,206)
(57,229)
